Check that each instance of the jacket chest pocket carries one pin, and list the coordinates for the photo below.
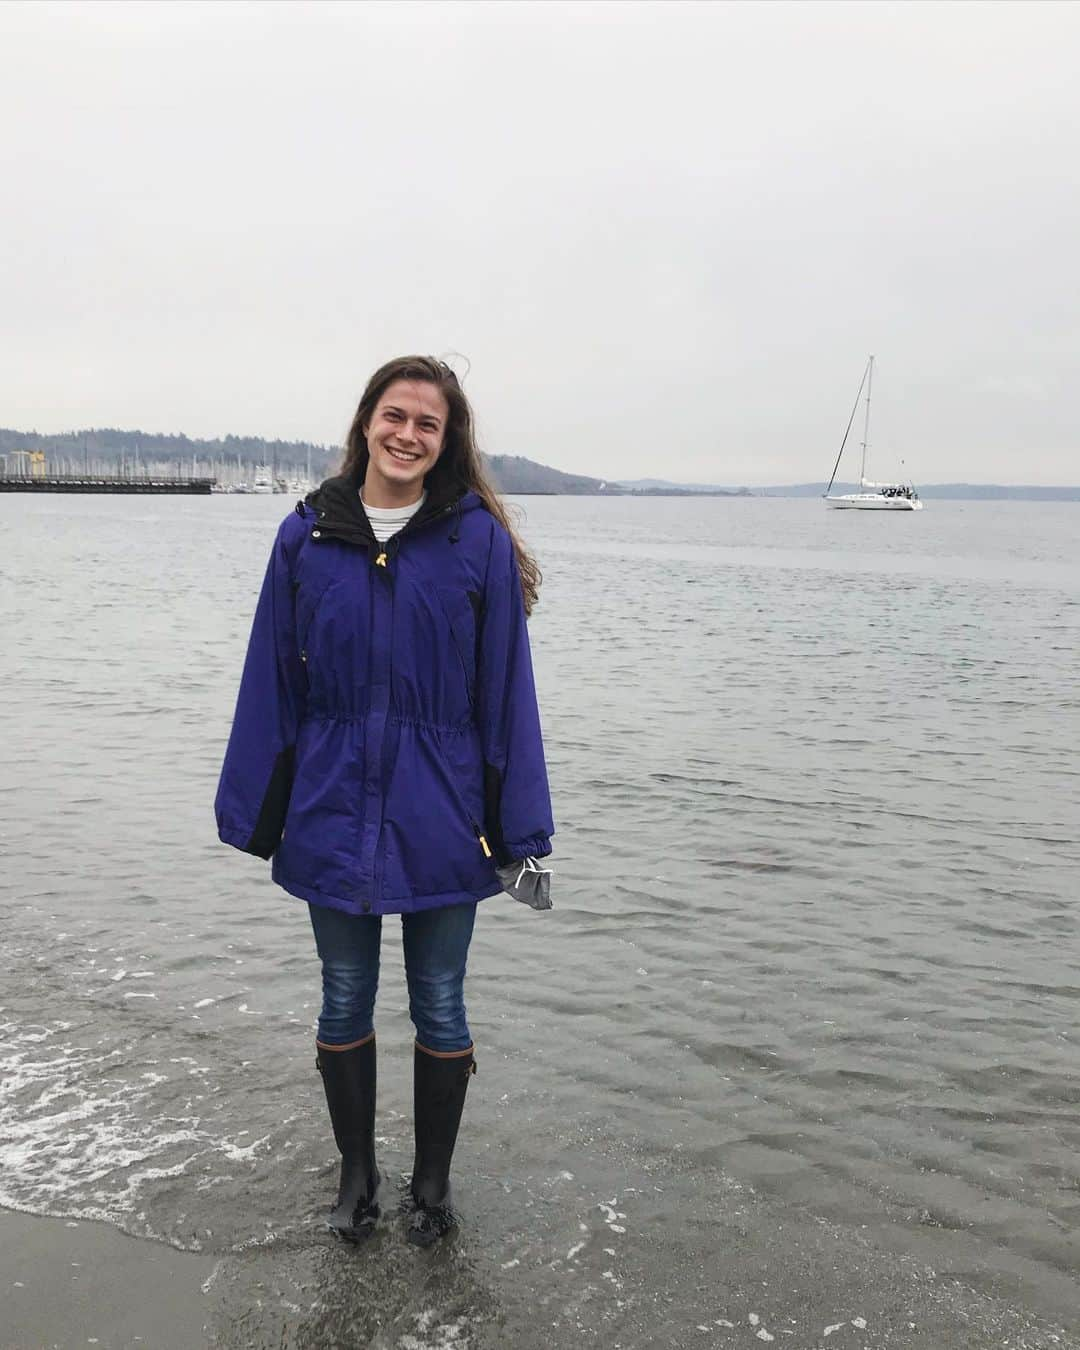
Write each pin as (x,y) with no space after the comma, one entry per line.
(462,610)
(309,599)
(330,582)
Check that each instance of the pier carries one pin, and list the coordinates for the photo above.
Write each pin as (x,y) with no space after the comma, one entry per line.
(77,482)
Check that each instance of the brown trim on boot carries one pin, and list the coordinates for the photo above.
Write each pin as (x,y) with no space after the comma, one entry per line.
(352,1045)
(446,1054)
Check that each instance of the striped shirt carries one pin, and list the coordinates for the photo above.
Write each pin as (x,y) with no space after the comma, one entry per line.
(387,520)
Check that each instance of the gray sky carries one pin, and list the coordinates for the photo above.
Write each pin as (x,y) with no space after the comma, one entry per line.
(665,236)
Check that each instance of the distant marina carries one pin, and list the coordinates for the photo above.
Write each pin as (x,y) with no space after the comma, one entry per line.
(38,471)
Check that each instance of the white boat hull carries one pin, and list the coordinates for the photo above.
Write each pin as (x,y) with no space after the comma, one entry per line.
(873,501)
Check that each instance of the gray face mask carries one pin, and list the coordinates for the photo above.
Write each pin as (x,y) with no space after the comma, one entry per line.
(528,882)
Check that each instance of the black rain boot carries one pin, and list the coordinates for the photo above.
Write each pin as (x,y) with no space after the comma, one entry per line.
(349,1080)
(438,1097)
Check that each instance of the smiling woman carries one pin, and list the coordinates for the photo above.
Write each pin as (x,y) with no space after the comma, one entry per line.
(386,753)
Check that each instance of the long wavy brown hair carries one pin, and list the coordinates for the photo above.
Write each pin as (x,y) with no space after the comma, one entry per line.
(460,462)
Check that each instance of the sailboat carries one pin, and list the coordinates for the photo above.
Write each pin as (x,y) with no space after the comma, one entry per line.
(263,482)
(871,496)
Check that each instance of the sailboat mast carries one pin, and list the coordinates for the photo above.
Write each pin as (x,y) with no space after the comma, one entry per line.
(866,422)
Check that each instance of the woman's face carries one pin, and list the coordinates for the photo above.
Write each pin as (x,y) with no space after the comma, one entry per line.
(404,439)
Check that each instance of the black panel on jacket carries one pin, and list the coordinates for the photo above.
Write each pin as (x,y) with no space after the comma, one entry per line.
(275,804)
(493,815)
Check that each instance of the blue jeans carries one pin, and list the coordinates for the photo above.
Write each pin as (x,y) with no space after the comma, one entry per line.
(436,943)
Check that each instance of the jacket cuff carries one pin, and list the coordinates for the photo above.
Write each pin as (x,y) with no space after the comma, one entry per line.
(539,846)
(244,840)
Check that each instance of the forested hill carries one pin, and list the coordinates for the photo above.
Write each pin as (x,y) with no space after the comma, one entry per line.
(513,474)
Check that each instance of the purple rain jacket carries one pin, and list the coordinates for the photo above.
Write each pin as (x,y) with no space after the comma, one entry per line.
(386,744)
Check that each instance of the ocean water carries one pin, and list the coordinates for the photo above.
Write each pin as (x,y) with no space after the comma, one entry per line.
(793,1059)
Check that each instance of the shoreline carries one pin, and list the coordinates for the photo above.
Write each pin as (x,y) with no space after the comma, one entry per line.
(757,1264)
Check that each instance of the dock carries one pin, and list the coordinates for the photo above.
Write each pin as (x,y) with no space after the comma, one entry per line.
(77,482)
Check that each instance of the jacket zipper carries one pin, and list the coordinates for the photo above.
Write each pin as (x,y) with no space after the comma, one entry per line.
(483,841)
(388,551)
(383,559)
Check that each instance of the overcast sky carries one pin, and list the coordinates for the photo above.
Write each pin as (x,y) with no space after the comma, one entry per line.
(665,236)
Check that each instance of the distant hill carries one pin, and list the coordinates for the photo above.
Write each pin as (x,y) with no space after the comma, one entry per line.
(939,491)
(513,474)
(660,487)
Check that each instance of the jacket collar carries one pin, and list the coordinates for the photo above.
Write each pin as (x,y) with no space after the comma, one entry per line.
(336,503)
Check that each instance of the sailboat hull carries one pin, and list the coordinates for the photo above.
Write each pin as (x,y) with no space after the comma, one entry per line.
(873,501)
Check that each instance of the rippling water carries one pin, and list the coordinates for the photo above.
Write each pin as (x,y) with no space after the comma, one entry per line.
(801,1027)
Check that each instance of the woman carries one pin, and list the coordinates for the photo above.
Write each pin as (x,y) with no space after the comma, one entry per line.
(386,752)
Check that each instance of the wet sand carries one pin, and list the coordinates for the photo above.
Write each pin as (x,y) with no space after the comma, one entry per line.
(756,1273)
(65,1284)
